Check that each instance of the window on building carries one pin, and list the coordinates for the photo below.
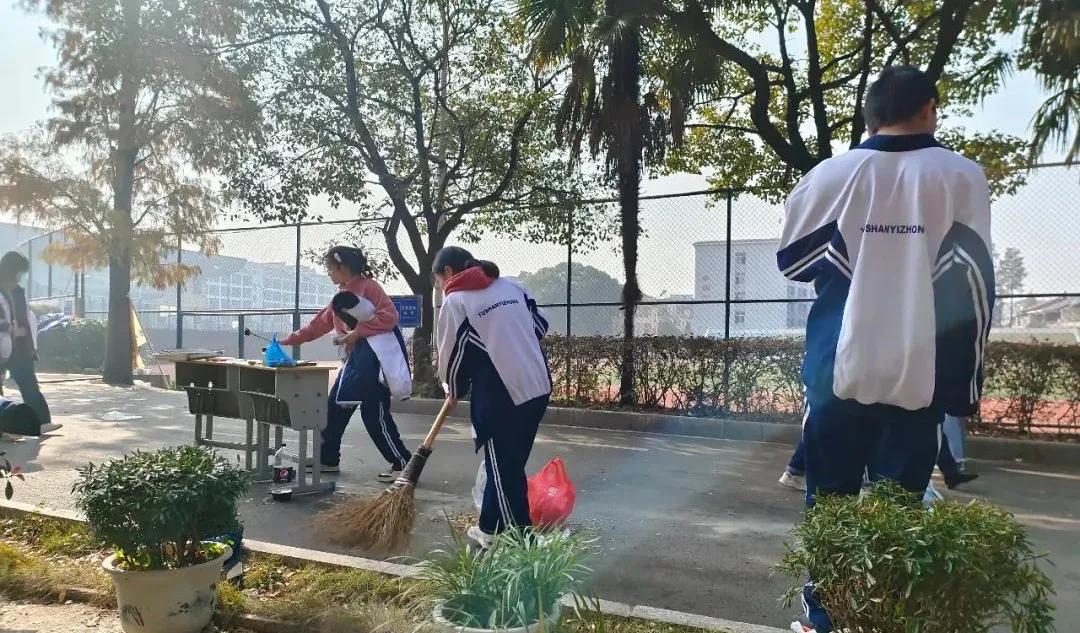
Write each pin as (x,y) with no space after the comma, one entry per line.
(738,316)
(739,279)
(740,258)
(738,295)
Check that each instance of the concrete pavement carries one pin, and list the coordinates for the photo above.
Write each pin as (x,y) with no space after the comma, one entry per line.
(689,524)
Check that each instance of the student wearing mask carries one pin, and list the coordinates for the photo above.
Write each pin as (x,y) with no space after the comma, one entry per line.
(894,235)
(489,348)
(18,338)
(375,367)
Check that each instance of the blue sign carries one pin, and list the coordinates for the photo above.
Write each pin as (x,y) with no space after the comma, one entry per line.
(408,307)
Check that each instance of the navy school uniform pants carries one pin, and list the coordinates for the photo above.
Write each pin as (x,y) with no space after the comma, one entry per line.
(506,433)
(358,386)
(844,440)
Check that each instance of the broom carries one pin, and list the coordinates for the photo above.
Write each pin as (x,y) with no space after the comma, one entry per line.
(383,523)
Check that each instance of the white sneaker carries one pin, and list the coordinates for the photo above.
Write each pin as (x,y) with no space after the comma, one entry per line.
(795,482)
(480,537)
(799,627)
(49,428)
(8,437)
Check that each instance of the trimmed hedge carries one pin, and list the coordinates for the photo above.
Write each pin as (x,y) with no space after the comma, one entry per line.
(74,348)
(1031,388)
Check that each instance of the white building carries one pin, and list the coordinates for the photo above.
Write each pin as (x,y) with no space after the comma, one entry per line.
(754,277)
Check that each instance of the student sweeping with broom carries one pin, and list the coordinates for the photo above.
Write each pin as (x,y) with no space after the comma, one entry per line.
(489,347)
(375,367)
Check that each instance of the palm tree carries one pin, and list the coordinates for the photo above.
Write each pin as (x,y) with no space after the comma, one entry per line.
(611,112)
(1051,47)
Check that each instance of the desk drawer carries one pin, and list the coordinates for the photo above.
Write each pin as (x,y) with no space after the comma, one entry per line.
(220,403)
(268,409)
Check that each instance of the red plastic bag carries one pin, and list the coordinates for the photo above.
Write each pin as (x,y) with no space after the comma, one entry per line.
(551,495)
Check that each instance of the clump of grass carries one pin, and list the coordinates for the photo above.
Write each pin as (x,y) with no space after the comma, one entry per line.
(42,558)
(518,582)
(50,536)
(312,589)
(27,574)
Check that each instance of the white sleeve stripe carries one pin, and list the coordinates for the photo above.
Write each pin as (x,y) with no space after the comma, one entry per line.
(795,275)
(800,265)
(979,299)
(838,256)
(973,386)
(839,265)
(945,258)
(983,295)
(455,361)
(941,271)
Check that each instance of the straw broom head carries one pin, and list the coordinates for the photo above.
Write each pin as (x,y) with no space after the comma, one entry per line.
(378,524)
(384,523)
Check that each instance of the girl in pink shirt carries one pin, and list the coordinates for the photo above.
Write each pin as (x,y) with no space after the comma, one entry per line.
(370,313)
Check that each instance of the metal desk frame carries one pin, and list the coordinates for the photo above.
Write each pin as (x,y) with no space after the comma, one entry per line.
(238,390)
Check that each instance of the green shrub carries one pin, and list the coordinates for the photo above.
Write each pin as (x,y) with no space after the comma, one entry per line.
(519,581)
(884,564)
(752,377)
(760,378)
(157,508)
(76,347)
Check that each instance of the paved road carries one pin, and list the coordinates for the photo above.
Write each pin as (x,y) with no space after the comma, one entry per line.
(685,523)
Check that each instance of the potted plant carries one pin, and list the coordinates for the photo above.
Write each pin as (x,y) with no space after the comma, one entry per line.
(517,586)
(158,511)
(885,564)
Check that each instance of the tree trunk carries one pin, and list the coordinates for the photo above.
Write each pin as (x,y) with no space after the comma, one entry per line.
(628,139)
(424,378)
(629,181)
(118,340)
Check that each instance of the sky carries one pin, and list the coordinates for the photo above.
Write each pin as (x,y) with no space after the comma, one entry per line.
(667,251)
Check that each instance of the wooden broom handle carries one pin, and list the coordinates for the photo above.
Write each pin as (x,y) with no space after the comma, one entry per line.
(444,412)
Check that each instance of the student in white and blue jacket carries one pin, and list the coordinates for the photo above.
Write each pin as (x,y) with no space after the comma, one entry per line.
(895,236)
(489,348)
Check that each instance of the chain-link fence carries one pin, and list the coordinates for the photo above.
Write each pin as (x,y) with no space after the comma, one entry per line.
(706,267)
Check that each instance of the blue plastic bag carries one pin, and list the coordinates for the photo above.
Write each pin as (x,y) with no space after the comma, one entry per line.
(276,356)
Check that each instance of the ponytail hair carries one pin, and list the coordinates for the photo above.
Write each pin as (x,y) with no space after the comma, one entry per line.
(349,257)
(459,260)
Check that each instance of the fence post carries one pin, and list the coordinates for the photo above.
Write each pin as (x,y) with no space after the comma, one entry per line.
(727,304)
(569,295)
(240,327)
(296,293)
(179,293)
(30,273)
(80,294)
(48,287)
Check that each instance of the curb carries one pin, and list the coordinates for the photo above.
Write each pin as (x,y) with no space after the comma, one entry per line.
(299,555)
(659,423)
(978,447)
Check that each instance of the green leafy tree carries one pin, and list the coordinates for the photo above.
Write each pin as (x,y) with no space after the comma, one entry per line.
(548,286)
(604,46)
(423,115)
(1009,276)
(141,95)
(766,114)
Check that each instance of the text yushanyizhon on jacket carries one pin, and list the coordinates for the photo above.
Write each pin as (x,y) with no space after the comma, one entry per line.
(895,236)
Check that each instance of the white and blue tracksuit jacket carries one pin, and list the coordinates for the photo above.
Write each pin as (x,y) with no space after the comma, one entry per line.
(895,236)
(489,345)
